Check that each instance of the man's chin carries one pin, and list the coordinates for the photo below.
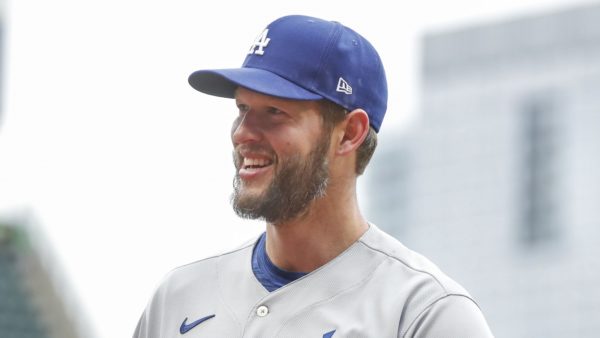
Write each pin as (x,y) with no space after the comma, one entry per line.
(250,194)
(247,201)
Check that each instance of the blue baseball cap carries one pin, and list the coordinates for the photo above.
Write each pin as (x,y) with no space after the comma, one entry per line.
(306,58)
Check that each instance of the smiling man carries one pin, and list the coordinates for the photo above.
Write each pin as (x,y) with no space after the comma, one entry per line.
(311,96)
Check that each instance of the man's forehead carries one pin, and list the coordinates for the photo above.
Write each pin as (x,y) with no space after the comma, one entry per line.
(243,94)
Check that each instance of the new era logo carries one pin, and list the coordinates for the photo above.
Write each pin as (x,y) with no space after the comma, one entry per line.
(343,87)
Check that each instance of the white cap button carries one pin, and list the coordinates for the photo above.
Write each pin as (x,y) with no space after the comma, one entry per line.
(262,311)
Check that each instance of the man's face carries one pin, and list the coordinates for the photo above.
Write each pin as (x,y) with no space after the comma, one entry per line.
(280,154)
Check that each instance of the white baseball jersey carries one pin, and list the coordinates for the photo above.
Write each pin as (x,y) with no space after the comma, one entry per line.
(375,288)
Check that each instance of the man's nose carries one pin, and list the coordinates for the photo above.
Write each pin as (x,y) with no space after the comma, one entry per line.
(245,129)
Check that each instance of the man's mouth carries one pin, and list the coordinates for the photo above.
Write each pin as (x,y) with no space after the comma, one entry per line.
(255,163)
(253,166)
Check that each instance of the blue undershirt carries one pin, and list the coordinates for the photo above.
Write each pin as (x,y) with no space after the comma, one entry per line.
(270,276)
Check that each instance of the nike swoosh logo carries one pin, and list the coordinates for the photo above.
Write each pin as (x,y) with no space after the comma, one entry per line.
(329,334)
(186,327)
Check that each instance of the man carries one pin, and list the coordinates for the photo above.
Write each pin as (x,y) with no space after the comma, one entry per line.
(311,96)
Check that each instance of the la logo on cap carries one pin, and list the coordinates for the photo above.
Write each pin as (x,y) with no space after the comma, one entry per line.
(260,42)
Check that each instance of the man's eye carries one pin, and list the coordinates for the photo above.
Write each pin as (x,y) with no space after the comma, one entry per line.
(242,108)
(275,111)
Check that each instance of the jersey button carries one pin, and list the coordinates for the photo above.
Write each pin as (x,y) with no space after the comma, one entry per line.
(262,311)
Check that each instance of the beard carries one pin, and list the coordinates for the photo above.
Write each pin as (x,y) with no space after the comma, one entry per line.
(296,183)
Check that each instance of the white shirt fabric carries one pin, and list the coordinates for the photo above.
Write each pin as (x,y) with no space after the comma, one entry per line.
(375,288)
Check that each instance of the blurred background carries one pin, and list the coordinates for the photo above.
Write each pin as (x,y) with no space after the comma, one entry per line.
(114,171)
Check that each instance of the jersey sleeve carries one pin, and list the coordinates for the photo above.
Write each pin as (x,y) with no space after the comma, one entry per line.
(449,316)
(148,327)
(141,328)
(149,324)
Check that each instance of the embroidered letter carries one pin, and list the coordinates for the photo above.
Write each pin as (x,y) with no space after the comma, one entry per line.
(261,42)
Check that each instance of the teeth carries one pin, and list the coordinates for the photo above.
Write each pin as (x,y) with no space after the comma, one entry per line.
(255,162)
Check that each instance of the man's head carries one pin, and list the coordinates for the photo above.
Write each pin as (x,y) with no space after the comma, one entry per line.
(281,152)
(308,91)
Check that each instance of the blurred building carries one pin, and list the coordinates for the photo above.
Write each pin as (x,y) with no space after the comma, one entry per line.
(33,300)
(500,178)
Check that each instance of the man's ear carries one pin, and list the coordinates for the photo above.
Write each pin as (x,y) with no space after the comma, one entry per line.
(355,129)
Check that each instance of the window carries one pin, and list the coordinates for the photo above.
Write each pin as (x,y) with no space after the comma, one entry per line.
(540,199)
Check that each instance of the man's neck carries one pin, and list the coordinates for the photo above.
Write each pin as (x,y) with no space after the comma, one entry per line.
(330,226)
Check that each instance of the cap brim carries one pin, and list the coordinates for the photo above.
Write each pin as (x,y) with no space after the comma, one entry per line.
(223,83)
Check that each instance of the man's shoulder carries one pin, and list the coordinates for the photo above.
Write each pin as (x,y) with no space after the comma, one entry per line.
(206,268)
(408,263)
(430,299)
